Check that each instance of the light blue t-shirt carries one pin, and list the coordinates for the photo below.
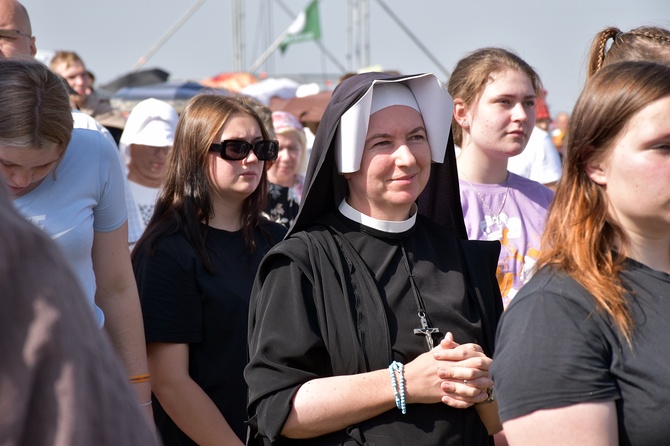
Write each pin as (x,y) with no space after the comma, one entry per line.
(135,226)
(85,194)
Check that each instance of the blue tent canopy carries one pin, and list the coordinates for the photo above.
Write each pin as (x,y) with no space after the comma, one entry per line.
(175,93)
(169,90)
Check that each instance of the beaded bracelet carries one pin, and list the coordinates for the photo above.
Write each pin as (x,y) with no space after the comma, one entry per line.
(139,378)
(398,390)
(394,384)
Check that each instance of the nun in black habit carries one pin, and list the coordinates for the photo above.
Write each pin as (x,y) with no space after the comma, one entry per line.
(372,324)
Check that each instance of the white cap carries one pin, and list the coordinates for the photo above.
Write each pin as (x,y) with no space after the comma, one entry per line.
(150,123)
(424,93)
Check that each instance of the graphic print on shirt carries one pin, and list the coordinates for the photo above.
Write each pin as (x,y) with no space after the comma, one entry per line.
(146,211)
(62,233)
(518,227)
(514,268)
(38,220)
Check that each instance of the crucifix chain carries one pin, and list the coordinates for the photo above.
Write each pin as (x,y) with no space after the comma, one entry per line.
(425,329)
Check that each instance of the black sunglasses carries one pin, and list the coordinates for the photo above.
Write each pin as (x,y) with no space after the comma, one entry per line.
(237,149)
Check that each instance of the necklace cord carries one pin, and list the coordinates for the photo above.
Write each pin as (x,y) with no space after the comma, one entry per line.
(494,216)
(417,296)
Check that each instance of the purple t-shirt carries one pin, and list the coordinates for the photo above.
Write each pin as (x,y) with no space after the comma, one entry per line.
(518,225)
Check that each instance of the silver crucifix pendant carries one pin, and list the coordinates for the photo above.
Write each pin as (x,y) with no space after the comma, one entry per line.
(426,331)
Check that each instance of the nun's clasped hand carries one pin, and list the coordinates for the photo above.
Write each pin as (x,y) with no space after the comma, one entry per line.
(464,370)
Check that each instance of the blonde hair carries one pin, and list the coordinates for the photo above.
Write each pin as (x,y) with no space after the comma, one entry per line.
(68,58)
(302,138)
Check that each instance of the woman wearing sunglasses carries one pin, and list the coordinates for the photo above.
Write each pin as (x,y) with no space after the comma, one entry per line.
(195,266)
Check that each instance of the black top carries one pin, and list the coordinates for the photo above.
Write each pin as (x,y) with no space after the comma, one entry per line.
(336,300)
(554,349)
(183,303)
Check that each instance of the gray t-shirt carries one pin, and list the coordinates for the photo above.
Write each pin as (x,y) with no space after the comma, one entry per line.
(554,349)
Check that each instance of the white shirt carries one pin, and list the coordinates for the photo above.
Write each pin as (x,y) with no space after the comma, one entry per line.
(539,161)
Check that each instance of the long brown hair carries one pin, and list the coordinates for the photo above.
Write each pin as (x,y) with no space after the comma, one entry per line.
(185,200)
(474,71)
(650,43)
(580,237)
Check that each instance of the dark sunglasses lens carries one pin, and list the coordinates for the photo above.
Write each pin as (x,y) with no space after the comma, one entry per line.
(238,150)
(235,150)
(266,150)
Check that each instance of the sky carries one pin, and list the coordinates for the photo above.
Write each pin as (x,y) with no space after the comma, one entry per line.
(552,36)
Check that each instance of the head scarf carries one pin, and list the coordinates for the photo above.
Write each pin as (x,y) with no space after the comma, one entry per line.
(284,121)
(325,188)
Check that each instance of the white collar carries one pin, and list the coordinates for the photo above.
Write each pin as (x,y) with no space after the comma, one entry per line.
(380,225)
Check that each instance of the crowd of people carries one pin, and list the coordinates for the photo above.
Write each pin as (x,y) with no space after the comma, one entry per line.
(443,264)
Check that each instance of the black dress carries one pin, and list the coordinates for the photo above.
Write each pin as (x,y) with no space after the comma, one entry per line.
(334,297)
(336,300)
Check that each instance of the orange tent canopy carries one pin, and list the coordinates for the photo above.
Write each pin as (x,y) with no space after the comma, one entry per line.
(230,81)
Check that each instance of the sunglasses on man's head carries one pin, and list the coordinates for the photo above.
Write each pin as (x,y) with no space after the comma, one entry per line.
(237,149)
(13,34)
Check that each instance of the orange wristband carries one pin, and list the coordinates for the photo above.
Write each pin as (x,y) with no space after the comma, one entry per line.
(139,378)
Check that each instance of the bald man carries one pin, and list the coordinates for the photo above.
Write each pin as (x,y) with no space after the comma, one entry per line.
(16,35)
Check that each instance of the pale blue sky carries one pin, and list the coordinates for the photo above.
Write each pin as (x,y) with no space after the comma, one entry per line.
(553,36)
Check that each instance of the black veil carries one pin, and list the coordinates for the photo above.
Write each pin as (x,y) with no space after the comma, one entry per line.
(325,187)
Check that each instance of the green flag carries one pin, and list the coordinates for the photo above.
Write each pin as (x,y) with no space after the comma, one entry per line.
(305,27)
